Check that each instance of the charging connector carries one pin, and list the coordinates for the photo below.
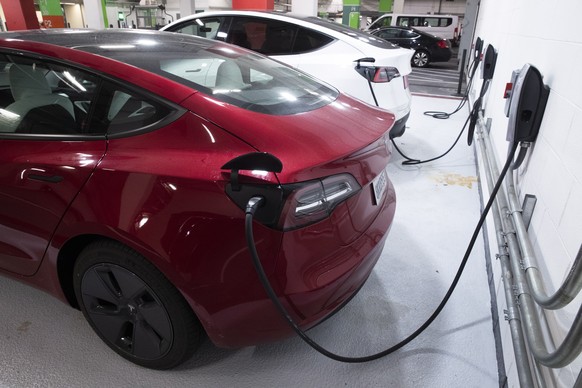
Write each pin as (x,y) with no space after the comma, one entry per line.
(253,204)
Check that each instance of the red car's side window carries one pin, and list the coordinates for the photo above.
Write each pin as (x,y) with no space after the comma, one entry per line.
(44,98)
(119,110)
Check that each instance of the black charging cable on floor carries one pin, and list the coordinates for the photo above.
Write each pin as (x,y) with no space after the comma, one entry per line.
(445,115)
(471,120)
(411,161)
(255,202)
(465,98)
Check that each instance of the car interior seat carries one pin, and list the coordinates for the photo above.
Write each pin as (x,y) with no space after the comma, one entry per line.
(229,77)
(278,40)
(239,38)
(33,100)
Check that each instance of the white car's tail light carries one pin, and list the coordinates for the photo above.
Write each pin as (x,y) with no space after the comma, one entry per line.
(378,74)
(385,74)
(309,202)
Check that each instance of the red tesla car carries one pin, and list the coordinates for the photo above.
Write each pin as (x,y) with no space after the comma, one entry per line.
(115,196)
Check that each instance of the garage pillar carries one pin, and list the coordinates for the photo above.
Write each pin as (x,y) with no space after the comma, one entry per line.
(95,14)
(254,4)
(20,15)
(351,13)
(304,7)
(398,6)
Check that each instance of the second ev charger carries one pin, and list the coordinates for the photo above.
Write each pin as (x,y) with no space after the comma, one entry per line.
(487,72)
(529,98)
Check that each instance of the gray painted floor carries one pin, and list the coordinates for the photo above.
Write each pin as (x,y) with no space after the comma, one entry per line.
(45,343)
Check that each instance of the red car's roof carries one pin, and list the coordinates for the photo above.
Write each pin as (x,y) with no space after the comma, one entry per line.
(80,46)
(332,132)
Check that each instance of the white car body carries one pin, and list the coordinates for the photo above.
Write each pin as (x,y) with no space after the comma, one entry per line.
(334,62)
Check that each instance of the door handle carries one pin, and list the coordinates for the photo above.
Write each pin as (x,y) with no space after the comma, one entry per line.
(45,178)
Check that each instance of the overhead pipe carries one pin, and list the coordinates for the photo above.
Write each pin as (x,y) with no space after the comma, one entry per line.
(571,347)
(569,289)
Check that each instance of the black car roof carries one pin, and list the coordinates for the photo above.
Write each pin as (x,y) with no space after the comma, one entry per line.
(424,33)
(100,41)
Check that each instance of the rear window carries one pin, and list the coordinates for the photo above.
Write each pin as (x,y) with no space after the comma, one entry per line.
(274,37)
(240,78)
(352,33)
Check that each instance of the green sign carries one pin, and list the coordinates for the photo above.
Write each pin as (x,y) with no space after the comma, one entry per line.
(50,7)
(385,6)
(354,20)
(120,16)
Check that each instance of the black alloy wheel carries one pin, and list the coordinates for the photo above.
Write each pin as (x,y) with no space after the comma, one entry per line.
(420,58)
(133,308)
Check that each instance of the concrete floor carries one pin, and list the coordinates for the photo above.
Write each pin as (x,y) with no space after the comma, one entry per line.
(45,343)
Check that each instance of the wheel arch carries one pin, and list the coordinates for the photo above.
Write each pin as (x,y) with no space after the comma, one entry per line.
(69,253)
(66,259)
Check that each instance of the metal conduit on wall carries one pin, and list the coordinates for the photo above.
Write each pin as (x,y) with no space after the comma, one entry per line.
(512,236)
(524,372)
(573,283)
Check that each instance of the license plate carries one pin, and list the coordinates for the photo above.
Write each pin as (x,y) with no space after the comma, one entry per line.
(379,185)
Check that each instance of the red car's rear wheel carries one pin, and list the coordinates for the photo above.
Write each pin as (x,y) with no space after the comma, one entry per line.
(133,307)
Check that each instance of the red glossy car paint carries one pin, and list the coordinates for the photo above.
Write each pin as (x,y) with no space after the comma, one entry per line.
(161,192)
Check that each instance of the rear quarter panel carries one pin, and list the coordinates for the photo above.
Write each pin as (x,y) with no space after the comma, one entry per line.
(162,194)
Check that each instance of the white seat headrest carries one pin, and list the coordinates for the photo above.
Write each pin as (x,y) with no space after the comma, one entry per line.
(27,81)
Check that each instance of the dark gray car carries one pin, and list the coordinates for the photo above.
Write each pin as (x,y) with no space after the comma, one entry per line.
(427,48)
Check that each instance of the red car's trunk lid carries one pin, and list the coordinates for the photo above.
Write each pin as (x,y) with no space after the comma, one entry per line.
(311,144)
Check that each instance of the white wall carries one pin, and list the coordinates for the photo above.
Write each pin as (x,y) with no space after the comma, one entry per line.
(332,6)
(74,15)
(546,35)
(173,6)
(456,7)
(304,7)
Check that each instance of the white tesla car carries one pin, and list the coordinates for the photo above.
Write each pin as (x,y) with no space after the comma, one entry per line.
(355,62)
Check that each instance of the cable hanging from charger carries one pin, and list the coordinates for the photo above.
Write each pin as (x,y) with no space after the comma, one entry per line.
(471,69)
(254,203)
(412,161)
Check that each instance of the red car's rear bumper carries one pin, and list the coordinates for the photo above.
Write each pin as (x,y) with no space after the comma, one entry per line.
(315,274)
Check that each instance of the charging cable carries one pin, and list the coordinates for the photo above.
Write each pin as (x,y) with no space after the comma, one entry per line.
(411,162)
(471,69)
(471,120)
(440,115)
(255,202)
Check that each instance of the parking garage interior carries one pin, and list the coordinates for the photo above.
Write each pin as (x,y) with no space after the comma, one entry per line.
(483,337)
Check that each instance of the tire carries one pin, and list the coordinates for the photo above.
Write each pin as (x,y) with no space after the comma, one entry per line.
(133,308)
(420,58)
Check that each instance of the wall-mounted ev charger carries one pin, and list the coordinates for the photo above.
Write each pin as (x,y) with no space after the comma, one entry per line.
(528,97)
(487,71)
(487,61)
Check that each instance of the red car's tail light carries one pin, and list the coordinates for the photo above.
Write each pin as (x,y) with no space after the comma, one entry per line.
(309,202)
(443,44)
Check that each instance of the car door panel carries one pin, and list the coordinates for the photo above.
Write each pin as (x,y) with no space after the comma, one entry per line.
(38,180)
(44,160)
